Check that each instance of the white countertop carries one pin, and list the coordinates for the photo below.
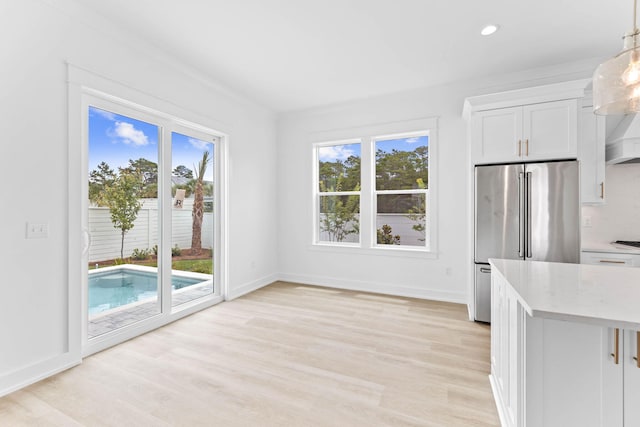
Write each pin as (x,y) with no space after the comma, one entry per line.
(610,248)
(609,296)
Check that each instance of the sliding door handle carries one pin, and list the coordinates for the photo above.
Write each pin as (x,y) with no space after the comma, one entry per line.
(86,244)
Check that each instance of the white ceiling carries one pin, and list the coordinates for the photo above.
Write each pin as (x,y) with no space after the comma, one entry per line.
(296,54)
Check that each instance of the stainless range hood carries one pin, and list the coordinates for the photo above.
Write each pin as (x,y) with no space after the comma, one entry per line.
(623,143)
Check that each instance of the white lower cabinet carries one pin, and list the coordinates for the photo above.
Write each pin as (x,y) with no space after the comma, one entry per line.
(631,368)
(611,259)
(548,373)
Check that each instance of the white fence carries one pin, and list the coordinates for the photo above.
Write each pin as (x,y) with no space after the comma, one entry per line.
(105,239)
(401,225)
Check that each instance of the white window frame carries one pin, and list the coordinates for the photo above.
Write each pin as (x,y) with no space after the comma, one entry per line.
(377,192)
(367,135)
(318,194)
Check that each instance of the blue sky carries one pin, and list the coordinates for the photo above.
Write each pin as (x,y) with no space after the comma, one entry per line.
(402,144)
(332,153)
(115,139)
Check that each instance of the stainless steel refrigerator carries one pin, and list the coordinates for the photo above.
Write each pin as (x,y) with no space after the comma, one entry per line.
(524,211)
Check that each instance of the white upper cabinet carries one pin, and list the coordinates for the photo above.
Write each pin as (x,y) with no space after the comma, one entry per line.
(544,131)
(527,125)
(550,130)
(497,135)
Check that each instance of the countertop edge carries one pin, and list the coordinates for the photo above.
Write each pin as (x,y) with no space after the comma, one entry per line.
(567,317)
(595,319)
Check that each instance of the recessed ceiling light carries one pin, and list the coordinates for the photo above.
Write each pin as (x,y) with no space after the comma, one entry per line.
(489,29)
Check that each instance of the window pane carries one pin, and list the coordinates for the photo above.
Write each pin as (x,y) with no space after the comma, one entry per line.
(403,163)
(192,185)
(123,221)
(401,219)
(339,219)
(339,168)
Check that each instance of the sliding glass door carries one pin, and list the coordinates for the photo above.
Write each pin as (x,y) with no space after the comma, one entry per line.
(152,212)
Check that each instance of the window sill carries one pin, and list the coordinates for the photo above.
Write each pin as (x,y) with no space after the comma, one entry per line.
(402,252)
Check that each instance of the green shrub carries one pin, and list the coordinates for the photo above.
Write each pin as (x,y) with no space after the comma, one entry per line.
(385,236)
(176,251)
(140,254)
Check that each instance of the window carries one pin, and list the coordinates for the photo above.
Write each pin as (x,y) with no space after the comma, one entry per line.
(338,197)
(401,190)
(375,191)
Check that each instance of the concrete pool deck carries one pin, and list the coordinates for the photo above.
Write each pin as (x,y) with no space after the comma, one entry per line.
(102,323)
(128,315)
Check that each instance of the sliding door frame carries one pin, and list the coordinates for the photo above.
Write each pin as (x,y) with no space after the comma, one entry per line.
(88,89)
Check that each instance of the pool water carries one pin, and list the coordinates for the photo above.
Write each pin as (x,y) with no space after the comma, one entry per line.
(116,288)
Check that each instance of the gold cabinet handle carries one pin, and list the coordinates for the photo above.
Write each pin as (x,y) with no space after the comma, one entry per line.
(637,359)
(602,190)
(519,148)
(526,143)
(610,261)
(616,342)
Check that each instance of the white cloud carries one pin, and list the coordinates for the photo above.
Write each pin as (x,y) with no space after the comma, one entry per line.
(334,152)
(128,134)
(106,114)
(413,140)
(199,144)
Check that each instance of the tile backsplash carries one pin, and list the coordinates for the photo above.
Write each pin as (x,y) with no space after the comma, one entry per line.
(619,217)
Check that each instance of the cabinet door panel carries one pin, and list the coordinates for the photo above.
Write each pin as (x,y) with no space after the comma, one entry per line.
(495,135)
(573,380)
(550,130)
(631,380)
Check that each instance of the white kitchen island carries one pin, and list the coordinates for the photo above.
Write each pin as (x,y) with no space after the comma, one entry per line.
(564,344)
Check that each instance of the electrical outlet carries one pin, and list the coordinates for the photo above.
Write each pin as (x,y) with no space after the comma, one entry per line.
(37,230)
(586,221)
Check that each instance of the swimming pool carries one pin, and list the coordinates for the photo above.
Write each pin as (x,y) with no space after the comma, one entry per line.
(113,287)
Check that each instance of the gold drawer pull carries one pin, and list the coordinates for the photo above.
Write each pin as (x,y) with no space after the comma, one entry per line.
(526,143)
(616,342)
(519,148)
(610,261)
(602,190)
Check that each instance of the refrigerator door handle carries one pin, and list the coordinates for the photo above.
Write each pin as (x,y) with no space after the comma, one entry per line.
(521,215)
(528,221)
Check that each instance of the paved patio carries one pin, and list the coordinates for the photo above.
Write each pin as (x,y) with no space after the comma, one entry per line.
(103,323)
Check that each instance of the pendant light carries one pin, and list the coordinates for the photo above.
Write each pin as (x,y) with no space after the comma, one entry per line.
(616,82)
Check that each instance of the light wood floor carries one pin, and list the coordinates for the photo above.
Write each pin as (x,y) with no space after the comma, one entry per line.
(286,355)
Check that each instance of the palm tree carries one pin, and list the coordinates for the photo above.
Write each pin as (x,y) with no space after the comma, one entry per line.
(198,205)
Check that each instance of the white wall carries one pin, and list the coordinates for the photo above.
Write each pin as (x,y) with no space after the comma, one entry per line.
(38,38)
(446,277)
(619,217)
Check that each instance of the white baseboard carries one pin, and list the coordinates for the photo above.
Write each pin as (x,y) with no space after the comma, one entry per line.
(31,374)
(380,288)
(251,286)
